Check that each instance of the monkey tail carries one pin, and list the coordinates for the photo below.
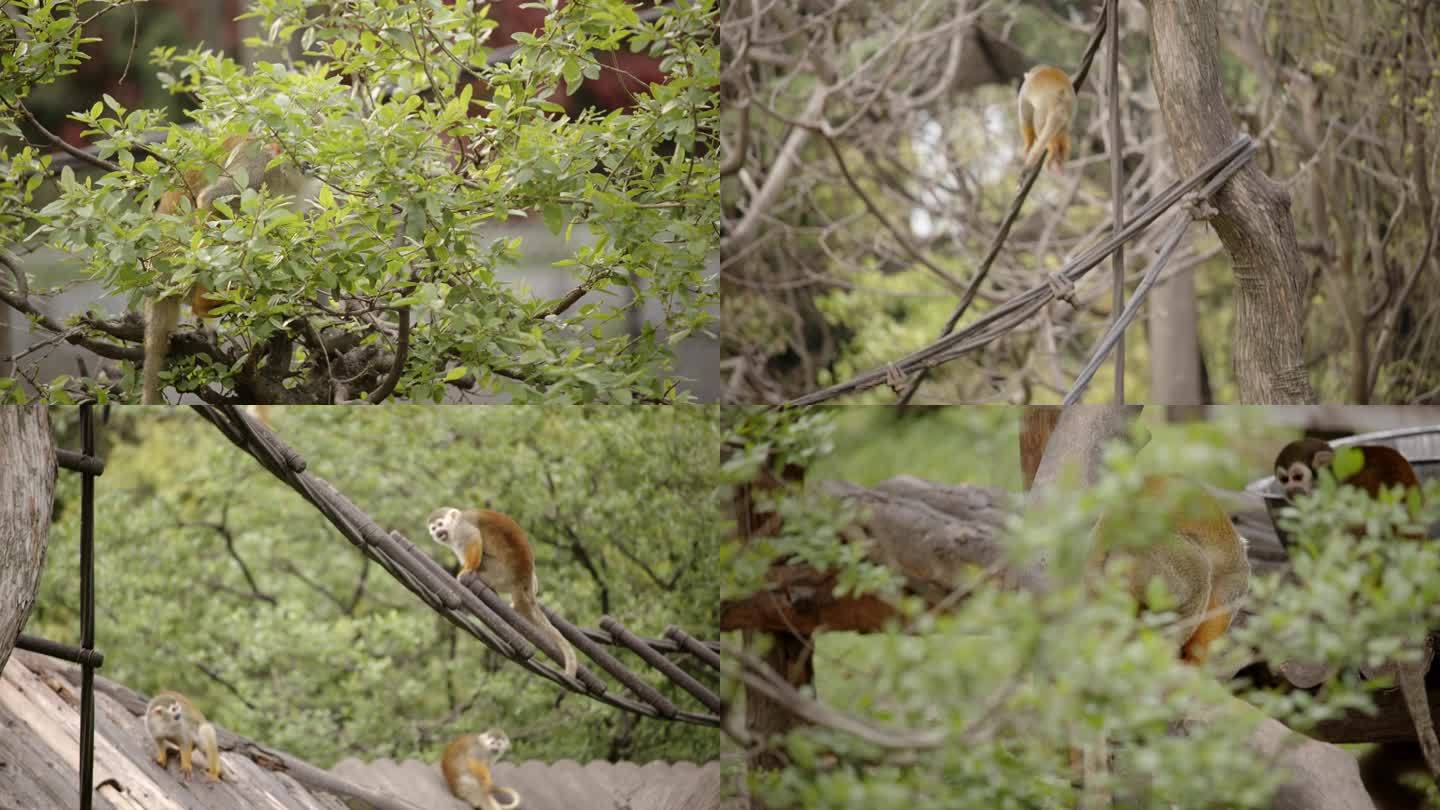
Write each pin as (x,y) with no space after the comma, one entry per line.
(212,749)
(162,315)
(512,796)
(1049,132)
(530,609)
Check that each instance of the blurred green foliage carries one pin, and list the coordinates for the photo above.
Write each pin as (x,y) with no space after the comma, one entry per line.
(1014,679)
(216,579)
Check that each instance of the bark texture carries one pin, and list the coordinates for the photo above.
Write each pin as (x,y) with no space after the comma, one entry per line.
(1254,221)
(27,490)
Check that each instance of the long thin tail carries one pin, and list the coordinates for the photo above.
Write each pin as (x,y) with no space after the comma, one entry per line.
(162,315)
(530,609)
(1411,675)
(212,749)
(496,804)
(1049,128)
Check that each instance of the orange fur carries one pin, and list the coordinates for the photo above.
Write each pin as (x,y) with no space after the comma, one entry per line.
(1202,563)
(1197,648)
(495,548)
(1046,105)
(466,765)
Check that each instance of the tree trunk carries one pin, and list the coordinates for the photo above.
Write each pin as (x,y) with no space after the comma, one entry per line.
(27,490)
(1254,214)
(1175,342)
(767,719)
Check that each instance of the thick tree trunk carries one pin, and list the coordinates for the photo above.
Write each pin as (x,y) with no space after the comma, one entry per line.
(1254,214)
(27,490)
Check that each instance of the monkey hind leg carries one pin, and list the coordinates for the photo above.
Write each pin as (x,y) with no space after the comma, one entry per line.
(1230,582)
(1217,620)
(1059,153)
(162,315)
(473,794)
(1026,116)
(211,745)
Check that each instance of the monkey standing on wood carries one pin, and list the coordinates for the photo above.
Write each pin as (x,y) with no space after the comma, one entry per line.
(466,765)
(1297,467)
(172,720)
(493,545)
(247,165)
(1203,563)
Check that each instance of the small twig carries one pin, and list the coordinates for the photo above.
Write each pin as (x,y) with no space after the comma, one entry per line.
(946,276)
(763,679)
(78,154)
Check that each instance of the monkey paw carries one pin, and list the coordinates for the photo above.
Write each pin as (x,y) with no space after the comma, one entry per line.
(1062,287)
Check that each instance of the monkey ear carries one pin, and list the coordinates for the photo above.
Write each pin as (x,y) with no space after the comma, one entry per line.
(1323,458)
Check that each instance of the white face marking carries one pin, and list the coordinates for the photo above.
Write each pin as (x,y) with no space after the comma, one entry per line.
(1297,480)
(441,524)
(163,719)
(496,743)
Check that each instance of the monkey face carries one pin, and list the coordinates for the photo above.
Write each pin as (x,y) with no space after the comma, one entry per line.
(1297,479)
(1298,465)
(441,523)
(495,743)
(164,719)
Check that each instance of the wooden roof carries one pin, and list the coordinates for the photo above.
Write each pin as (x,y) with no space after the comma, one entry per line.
(563,785)
(39,755)
(39,764)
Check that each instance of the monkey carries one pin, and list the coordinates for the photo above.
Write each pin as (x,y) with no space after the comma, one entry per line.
(493,545)
(1297,467)
(1046,105)
(246,162)
(466,765)
(1203,564)
(172,720)
(1299,463)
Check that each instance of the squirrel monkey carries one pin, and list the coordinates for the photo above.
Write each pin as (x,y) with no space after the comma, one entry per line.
(1047,103)
(1203,563)
(246,161)
(494,546)
(1299,463)
(172,720)
(466,764)
(1296,469)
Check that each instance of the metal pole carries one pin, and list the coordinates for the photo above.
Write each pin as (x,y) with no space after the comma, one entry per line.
(87,611)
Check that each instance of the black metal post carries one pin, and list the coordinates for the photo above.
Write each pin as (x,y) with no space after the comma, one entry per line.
(87,610)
